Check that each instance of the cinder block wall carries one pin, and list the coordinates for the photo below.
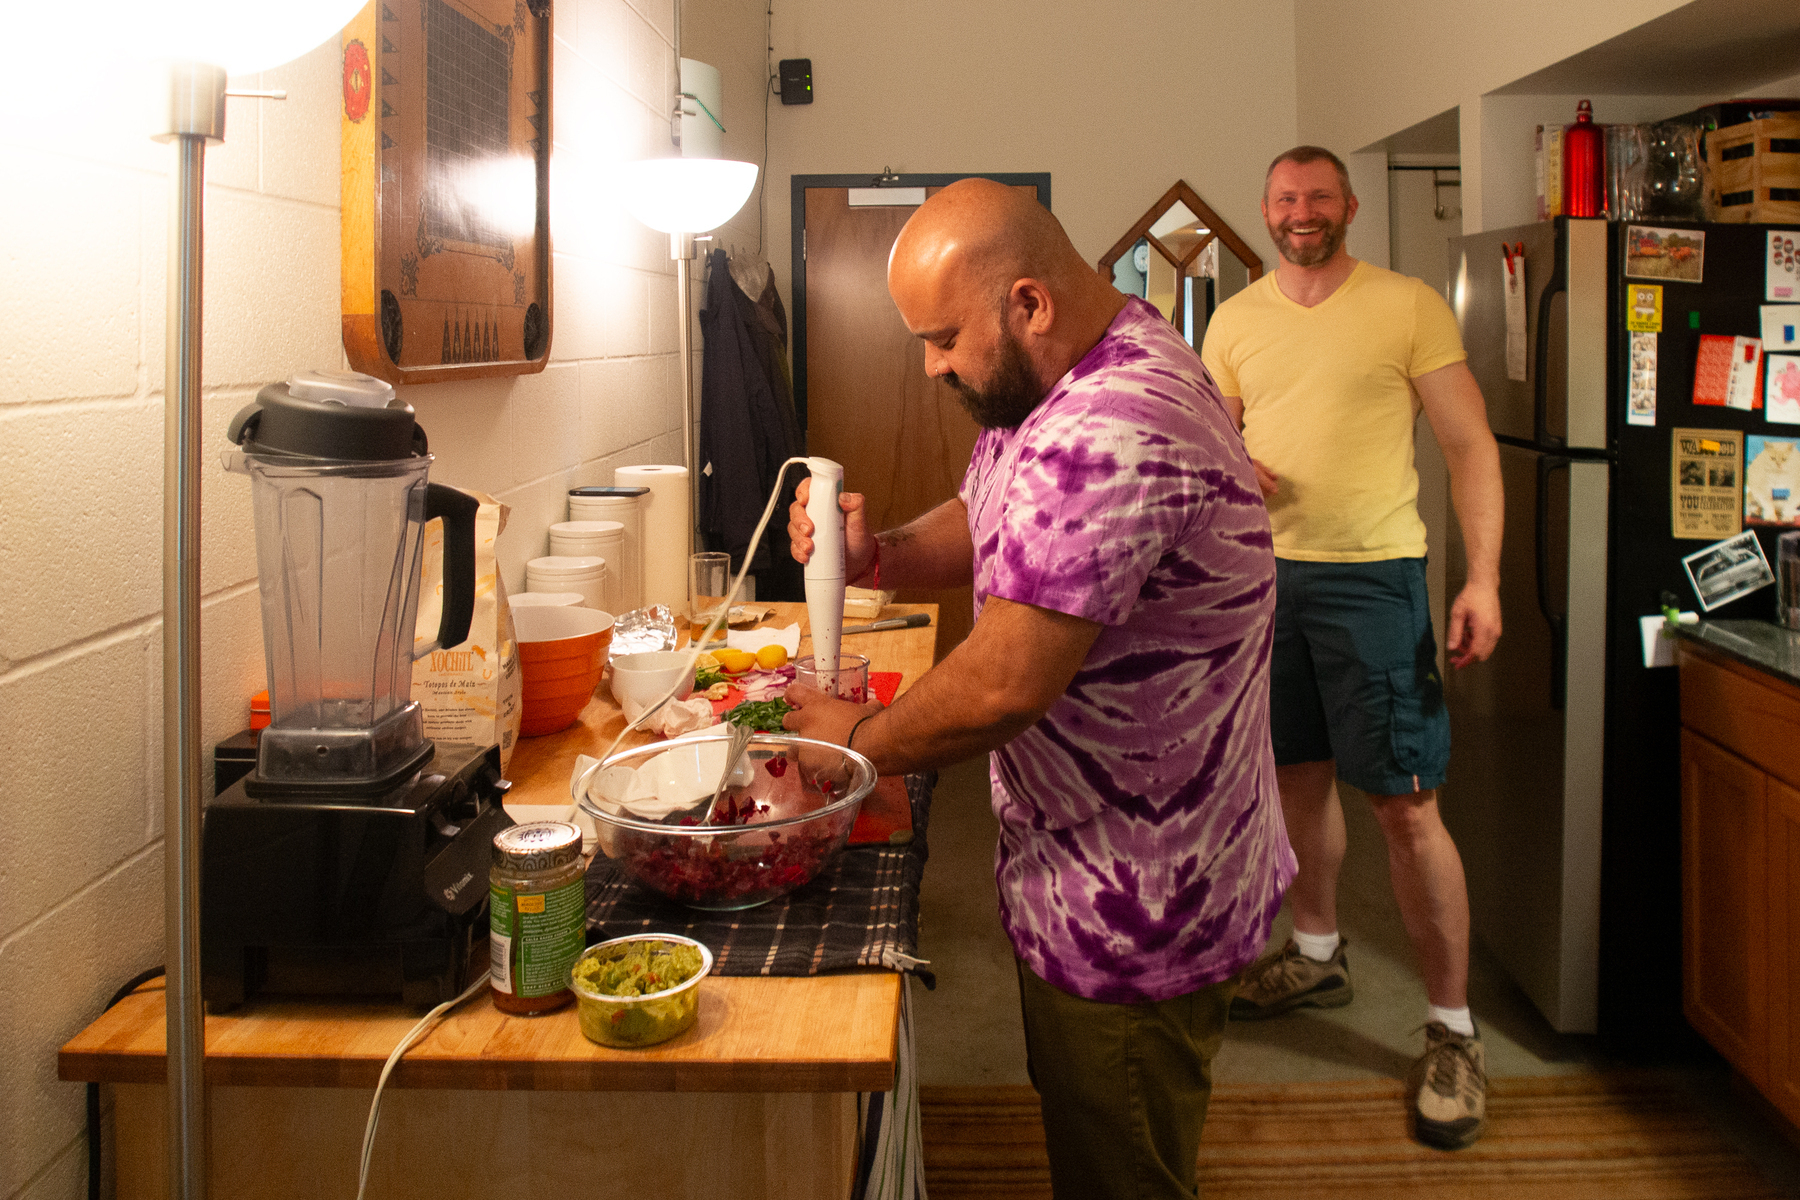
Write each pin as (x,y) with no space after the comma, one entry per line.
(83,220)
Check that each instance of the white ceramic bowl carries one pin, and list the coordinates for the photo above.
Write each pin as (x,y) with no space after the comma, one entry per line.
(640,680)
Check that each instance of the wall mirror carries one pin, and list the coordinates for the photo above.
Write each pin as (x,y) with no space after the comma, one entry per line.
(1171,258)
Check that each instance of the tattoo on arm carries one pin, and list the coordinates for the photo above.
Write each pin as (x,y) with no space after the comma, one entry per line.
(893,537)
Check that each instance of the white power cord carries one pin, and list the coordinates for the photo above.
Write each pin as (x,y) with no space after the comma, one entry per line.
(697,645)
(413,1036)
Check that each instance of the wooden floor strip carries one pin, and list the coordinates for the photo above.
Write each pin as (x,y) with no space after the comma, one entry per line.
(1576,1137)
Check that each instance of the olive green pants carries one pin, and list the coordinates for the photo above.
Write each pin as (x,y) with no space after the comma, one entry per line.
(1123,1087)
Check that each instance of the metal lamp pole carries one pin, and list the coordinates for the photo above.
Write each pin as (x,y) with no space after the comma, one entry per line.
(196,116)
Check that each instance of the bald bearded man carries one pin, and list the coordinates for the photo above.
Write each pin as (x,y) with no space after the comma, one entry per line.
(1117,672)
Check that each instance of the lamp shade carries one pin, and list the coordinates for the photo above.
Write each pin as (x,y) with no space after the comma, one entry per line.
(242,36)
(685,195)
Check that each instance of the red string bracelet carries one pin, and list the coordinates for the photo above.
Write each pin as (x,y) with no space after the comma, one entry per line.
(877,566)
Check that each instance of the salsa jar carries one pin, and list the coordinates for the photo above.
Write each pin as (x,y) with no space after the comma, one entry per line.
(537,915)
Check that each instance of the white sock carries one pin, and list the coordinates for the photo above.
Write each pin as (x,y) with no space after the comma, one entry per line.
(1456,1020)
(1317,946)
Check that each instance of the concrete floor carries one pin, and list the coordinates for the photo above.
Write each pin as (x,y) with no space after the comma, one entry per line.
(968,1030)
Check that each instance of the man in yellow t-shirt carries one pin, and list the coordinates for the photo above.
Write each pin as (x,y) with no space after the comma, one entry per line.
(1326,363)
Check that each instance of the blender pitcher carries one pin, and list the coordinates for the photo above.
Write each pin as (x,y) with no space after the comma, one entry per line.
(338,471)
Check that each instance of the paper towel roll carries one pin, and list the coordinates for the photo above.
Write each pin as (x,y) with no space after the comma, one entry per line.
(666,531)
(629,512)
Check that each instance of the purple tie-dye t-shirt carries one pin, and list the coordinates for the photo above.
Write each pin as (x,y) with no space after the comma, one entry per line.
(1142,851)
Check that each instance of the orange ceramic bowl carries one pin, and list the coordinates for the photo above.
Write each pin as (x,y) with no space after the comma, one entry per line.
(561,654)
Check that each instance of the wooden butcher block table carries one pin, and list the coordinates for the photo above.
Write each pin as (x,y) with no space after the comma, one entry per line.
(758,1100)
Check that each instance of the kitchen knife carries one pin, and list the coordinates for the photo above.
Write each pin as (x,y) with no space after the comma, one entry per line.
(911,621)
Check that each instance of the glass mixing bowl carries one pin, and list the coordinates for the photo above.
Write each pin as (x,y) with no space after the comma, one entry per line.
(786,812)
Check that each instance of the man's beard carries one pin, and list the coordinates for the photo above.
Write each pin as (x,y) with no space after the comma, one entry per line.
(1011,393)
(1331,241)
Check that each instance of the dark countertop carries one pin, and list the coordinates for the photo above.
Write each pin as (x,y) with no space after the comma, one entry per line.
(1760,644)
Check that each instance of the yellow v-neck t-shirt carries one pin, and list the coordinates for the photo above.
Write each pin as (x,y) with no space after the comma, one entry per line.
(1329,406)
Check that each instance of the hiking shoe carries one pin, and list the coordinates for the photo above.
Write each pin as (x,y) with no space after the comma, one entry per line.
(1447,1090)
(1288,980)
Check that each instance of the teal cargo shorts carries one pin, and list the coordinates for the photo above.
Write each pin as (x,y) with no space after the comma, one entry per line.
(1123,1087)
(1353,674)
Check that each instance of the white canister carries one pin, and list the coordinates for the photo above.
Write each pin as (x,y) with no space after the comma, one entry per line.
(594,539)
(550,599)
(565,573)
(626,506)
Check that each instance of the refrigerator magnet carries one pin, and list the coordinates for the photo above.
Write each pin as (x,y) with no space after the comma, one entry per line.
(1706,491)
(1674,255)
(1781,394)
(1781,272)
(1728,372)
(1641,409)
(1643,308)
(1771,480)
(1727,570)
(1780,327)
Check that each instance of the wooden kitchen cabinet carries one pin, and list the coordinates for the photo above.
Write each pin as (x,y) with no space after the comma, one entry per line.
(1724,905)
(1784,954)
(1740,867)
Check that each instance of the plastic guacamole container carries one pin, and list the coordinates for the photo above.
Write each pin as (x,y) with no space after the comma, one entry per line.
(629,965)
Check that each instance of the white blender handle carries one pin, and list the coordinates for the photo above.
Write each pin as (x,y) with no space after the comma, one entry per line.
(825,569)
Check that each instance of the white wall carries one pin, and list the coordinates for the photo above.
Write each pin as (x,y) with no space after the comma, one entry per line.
(1115,104)
(81,372)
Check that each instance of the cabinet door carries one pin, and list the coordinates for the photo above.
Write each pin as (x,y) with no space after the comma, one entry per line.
(1784,956)
(1724,899)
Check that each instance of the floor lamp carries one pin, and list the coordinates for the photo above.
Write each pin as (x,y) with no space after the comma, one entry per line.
(682,197)
(196,43)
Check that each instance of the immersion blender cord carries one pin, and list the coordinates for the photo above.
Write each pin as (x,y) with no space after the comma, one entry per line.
(696,645)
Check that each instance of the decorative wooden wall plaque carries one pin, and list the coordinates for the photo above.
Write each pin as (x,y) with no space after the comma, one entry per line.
(446,168)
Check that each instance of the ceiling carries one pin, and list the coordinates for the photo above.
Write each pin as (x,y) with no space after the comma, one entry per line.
(1708,47)
(1439,135)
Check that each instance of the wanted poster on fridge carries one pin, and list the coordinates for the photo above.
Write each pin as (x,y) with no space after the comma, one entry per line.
(1707,487)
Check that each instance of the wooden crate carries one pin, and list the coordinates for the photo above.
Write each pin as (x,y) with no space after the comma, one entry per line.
(1753,171)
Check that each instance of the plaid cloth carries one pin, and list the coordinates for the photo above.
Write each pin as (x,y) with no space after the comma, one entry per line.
(861,911)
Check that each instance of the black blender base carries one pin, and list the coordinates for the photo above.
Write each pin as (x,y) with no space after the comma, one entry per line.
(423,974)
(378,899)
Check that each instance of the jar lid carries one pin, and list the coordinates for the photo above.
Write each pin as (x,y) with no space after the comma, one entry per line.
(609,493)
(538,846)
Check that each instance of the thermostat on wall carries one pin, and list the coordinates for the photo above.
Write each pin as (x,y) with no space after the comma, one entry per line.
(796,80)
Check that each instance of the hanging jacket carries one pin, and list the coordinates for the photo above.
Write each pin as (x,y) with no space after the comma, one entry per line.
(747,430)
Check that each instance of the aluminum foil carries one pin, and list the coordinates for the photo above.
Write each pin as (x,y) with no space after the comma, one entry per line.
(642,629)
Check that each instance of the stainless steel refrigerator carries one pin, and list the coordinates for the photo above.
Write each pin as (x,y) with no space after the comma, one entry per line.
(1564,791)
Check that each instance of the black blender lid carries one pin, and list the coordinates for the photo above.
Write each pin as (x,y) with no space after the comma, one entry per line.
(335,415)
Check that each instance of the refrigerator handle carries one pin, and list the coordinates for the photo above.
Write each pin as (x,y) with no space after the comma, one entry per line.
(1558,621)
(1540,379)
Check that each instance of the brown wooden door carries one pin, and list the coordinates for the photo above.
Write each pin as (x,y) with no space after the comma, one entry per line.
(1784,949)
(1724,903)
(904,439)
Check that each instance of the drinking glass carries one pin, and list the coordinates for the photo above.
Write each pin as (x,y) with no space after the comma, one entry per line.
(709,581)
(852,676)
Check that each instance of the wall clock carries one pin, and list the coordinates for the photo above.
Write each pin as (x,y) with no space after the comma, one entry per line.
(446,165)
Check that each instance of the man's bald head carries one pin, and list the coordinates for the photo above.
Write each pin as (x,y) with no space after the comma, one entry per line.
(988,280)
(987,234)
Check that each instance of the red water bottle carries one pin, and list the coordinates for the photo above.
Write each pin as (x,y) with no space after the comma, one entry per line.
(1584,165)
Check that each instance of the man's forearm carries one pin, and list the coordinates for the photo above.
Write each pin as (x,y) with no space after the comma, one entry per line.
(932,551)
(1480,502)
(995,685)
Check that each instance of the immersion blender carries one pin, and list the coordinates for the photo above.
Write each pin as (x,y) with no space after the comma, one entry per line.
(825,570)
